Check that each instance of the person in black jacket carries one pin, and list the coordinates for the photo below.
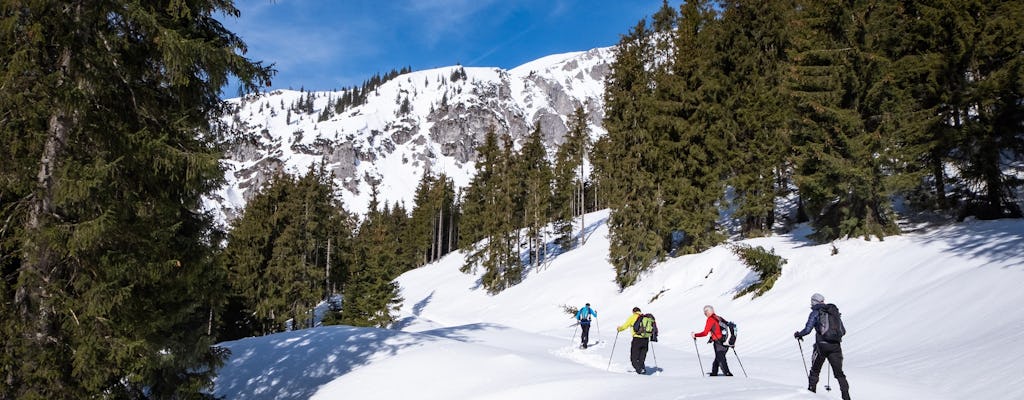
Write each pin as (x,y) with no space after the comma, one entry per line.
(823,349)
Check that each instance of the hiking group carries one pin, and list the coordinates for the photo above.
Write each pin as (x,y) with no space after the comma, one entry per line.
(824,319)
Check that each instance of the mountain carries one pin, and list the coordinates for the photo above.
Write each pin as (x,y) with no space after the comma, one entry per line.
(930,314)
(423,121)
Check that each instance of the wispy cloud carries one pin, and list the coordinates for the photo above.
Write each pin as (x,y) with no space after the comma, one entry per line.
(440,18)
(495,49)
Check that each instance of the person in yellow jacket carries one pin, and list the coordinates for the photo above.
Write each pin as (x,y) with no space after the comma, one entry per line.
(641,342)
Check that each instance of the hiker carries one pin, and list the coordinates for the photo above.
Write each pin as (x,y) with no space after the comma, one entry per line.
(826,343)
(583,318)
(713,328)
(641,340)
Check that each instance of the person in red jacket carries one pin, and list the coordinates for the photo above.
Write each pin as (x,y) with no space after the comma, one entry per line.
(713,328)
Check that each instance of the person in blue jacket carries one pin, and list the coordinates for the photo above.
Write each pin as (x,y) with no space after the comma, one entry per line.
(824,349)
(583,318)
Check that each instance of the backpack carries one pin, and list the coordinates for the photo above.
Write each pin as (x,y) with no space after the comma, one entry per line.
(728,331)
(830,324)
(645,326)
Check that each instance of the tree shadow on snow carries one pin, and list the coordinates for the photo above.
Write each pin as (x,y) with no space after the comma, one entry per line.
(416,310)
(1000,241)
(552,250)
(294,365)
(751,279)
(458,332)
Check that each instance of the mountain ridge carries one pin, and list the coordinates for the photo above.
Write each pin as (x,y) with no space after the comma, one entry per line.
(418,122)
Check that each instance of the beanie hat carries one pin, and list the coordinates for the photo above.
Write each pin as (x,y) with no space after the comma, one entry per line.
(817,298)
(636,309)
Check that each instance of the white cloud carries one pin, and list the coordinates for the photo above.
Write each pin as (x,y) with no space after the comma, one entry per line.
(442,18)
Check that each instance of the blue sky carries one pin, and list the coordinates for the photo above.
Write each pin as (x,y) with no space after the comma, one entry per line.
(329,44)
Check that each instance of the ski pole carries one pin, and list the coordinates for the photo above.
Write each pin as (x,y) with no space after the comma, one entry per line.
(613,351)
(653,354)
(577,326)
(740,361)
(598,323)
(698,357)
(798,343)
(828,383)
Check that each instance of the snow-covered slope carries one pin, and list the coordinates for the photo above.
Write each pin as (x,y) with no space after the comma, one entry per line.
(446,119)
(933,314)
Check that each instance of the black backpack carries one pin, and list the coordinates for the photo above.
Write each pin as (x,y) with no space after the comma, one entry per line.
(646,326)
(728,330)
(830,324)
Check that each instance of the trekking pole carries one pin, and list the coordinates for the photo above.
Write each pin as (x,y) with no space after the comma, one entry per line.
(828,383)
(613,351)
(798,343)
(698,357)
(653,354)
(740,361)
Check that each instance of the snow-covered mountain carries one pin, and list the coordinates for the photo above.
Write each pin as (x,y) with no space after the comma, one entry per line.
(931,314)
(445,116)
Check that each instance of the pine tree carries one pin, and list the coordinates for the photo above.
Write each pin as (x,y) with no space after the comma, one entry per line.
(994,109)
(277,253)
(477,202)
(371,297)
(568,198)
(535,176)
(686,114)
(248,252)
(107,152)
(635,244)
(431,224)
(840,149)
(752,54)
(489,224)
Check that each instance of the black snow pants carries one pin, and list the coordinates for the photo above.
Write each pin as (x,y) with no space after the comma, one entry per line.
(585,336)
(638,353)
(833,352)
(721,351)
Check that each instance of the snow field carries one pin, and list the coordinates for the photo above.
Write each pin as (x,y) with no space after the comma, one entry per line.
(930,315)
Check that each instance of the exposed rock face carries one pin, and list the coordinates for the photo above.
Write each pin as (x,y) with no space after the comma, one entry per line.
(425,121)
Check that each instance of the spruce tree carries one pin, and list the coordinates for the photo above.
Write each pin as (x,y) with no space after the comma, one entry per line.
(568,199)
(371,297)
(490,216)
(535,190)
(686,115)
(502,266)
(478,202)
(422,220)
(994,110)
(841,150)
(277,253)
(751,53)
(635,243)
(107,255)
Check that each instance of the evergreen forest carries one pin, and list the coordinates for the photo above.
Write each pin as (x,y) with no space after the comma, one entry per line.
(117,283)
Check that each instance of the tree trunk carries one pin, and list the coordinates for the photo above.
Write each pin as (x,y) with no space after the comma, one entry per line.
(40,267)
(940,181)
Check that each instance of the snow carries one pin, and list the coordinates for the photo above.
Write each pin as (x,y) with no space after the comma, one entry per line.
(933,314)
(368,130)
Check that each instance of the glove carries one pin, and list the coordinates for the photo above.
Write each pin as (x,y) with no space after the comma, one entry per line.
(797,335)
(619,329)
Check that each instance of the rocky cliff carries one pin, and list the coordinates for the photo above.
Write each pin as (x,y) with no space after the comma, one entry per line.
(423,121)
